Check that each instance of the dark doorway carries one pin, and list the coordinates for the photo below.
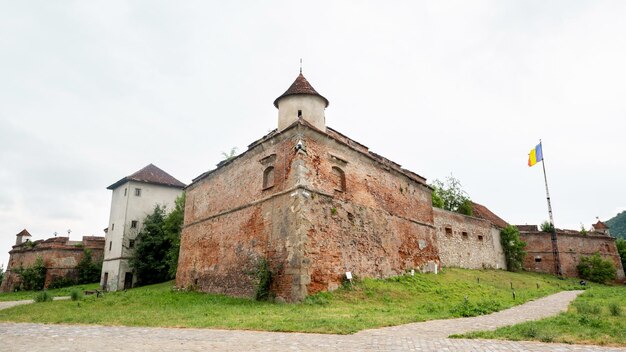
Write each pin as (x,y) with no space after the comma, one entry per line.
(128,281)
(105,281)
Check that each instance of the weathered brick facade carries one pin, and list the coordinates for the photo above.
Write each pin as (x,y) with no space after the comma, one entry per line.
(332,207)
(572,246)
(468,242)
(60,257)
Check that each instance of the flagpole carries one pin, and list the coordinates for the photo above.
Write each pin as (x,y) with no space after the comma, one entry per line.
(555,247)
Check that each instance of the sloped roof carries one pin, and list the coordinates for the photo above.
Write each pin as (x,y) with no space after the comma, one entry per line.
(300,86)
(481,211)
(150,174)
(24,233)
(600,226)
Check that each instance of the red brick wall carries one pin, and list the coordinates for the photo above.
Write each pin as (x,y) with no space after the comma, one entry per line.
(60,257)
(571,248)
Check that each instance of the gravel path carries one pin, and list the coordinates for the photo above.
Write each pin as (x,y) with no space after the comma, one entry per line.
(425,336)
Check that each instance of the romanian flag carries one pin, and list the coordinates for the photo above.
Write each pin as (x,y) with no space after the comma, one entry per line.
(535,155)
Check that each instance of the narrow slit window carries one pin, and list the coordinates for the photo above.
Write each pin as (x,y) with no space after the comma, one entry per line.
(133,224)
(268,177)
(299,113)
(138,192)
(449,231)
(339,179)
(110,245)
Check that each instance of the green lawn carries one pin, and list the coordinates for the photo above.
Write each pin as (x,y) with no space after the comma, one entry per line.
(58,292)
(596,317)
(368,304)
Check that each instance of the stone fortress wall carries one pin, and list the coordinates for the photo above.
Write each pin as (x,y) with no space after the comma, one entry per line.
(60,257)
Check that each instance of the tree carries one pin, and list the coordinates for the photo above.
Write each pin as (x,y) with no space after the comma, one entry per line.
(156,252)
(621,249)
(594,268)
(513,248)
(173,225)
(88,271)
(449,195)
(149,258)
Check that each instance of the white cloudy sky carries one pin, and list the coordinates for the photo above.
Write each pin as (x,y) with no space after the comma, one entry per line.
(93,91)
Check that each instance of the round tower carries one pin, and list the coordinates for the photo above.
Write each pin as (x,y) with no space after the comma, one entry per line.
(301,101)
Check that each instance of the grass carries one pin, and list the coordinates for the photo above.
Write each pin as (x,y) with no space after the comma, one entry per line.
(595,317)
(368,304)
(57,292)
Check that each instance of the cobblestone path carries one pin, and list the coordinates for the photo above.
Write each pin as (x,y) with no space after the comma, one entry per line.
(426,336)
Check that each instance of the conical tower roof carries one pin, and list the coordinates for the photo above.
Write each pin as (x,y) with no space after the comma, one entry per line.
(300,86)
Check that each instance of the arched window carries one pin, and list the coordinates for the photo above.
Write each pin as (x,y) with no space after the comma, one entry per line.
(268,177)
(339,179)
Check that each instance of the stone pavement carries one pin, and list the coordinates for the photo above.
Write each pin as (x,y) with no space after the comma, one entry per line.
(425,336)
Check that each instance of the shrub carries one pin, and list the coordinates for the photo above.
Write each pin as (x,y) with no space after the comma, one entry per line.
(615,309)
(60,282)
(586,308)
(546,226)
(263,276)
(34,277)
(43,296)
(76,295)
(621,249)
(449,195)
(596,269)
(513,248)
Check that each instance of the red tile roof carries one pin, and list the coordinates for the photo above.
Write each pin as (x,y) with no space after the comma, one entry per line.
(24,233)
(300,86)
(600,226)
(481,211)
(150,174)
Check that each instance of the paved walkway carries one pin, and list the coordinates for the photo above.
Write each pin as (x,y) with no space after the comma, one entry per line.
(426,336)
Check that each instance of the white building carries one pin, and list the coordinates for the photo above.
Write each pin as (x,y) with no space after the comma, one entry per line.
(134,197)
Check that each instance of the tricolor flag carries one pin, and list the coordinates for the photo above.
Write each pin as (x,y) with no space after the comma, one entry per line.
(535,155)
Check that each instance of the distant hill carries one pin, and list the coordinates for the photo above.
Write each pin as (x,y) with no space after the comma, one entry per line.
(617,225)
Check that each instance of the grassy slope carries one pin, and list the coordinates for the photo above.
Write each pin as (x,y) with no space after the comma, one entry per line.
(20,295)
(589,319)
(369,304)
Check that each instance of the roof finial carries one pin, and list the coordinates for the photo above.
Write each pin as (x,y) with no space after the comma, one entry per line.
(300,65)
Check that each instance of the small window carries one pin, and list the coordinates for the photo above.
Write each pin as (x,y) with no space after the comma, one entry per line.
(138,192)
(268,177)
(133,224)
(537,259)
(110,244)
(112,227)
(131,243)
(480,237)
(339,179)
(125,191)
(465,234)
(299,113)
(449,231)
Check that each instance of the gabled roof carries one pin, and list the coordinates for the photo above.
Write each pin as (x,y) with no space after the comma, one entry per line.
(150,174)
(300,86)
(24,233)
(481,211)
(600,226)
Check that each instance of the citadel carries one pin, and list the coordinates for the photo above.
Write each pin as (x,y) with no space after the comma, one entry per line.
(316,206)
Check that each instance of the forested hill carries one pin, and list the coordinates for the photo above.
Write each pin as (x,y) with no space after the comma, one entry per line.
(617,225)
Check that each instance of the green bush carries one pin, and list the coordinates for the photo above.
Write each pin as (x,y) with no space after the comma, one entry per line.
(264,277)
(34,277)
(61,282)
(43,296)
(513,248)
(546,226)
(596,269)
(615,309)
(621,249)
(76,295)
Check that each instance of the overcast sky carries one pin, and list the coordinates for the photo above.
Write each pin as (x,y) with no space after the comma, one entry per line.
(93,91)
